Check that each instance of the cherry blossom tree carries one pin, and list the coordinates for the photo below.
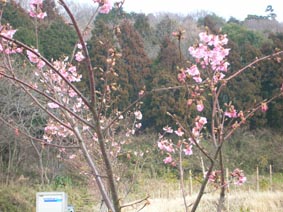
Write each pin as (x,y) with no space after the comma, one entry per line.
(204,81)
(86,124)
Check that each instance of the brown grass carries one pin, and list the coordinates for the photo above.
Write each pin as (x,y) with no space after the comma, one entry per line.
(240,201)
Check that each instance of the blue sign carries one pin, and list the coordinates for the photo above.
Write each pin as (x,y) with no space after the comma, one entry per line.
(52,200)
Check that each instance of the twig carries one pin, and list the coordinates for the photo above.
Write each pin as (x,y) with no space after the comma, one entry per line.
(136,202)
(36,139)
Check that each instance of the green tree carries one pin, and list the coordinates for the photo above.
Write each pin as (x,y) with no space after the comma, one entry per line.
(164,74)
(134,66)
(241,35)
(57,39)
(19,19)
(272,77)
(165,28)
(244,45)
(212,22)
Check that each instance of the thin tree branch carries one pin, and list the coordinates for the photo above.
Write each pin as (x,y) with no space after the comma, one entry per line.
(251,64)
(85,50)
(33,138)
(49,64)
(136,202)
(13,78)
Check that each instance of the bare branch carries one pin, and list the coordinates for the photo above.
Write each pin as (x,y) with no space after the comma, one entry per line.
(35,139)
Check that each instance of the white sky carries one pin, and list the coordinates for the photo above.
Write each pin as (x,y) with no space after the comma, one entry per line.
(224,8)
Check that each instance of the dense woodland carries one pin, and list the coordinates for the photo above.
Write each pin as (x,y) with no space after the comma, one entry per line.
(151,57)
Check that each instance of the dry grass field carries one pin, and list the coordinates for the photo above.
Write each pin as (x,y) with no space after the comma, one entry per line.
(240,201)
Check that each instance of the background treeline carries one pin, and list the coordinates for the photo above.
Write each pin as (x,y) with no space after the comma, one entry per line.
(151,57)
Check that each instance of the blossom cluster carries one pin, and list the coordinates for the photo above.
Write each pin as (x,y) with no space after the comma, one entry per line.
(53,129)
(105,6)
(33,58)
(79,55)
(6,46)
(214,177)
(55,85)
(136,123)
(65,95)
(209,53)
(36,9)
(239,177)
(168,146)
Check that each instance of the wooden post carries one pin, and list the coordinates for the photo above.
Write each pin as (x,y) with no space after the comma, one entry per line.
(203,168)
(270,177)
(228,189)
(191,182)
(257,179)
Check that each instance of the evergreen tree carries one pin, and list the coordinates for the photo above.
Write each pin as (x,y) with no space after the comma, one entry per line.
(165,28)
(272,77)
(134,66)
(17,17)
(56,39)
(164,75)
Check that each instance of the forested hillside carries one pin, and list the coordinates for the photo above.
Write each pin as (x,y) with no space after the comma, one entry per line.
(158,50)
(149,57)
(148,47)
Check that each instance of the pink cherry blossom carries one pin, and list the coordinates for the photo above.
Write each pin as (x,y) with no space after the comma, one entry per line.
(194,140)
(188,150)
(204,37)
(40,64)
(182,76)
(33,57)
(200,106)
(214,176)
(105,9)
(168,129)
(138,115)
(37,2)
(36,9)
(138,125)
(231,113)
(79,56)
(197,79)
(239,176)
(218,76)
(53,105)
(161,145)
(179,132)
(72,156)
(241,180)
(201,121)
(209,52)
(169,148)
(168,159)
(193,71)
(9,51)
(141,93)
(196,132)
(264,107)
(8,33)
(190,102)
(80,46)
(105,6)
(19,50)
(41,15)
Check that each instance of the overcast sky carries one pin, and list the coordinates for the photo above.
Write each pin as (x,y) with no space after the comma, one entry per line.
(224,8)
